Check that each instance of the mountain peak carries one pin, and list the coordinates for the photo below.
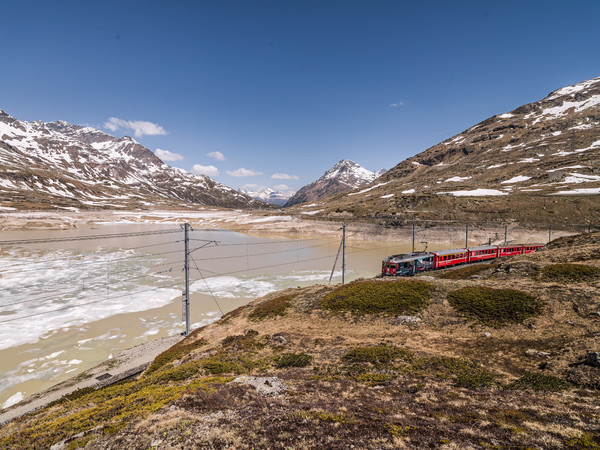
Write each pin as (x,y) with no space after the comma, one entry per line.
(345,176)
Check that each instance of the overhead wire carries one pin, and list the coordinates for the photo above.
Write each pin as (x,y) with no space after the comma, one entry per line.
(87,303)
(86,238)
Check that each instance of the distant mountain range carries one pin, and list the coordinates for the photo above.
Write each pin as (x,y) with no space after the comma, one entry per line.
(61,165)
(345,176)
(269,195)
(539,162)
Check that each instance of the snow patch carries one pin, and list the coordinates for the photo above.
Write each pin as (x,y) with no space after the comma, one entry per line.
(476,193)
(516,179)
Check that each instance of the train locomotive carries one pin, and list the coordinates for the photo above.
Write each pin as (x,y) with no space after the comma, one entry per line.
(408,264)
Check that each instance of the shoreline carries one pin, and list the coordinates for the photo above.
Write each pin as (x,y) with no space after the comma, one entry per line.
(269,224)
(126,364)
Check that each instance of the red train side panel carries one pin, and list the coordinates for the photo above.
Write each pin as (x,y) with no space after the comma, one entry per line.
(482,253)
(446,258)
(510,250)
(529,248)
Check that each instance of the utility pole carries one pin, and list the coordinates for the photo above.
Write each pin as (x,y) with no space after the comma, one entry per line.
(467,237)
(413,237)
(186,266)
(343,252)
(549,232)
(505,233)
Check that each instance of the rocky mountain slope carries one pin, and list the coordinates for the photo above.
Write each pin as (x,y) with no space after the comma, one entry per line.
(450,359)
(269,195)
(538,158)
(58,164)
(345,176)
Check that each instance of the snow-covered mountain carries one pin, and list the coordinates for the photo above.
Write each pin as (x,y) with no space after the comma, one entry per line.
(345,176)
(58,164)
(538,162)
(268,195)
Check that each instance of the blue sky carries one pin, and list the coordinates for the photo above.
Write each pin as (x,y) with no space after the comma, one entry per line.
(288,87)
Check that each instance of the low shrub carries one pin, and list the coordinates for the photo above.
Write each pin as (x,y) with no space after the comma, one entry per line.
(174,353)
(494,307)
(539,382)
(293,360)
(271,308)
(377,355)
(379,297)
(246,341)
(465,272)
(464,372)
(575,273)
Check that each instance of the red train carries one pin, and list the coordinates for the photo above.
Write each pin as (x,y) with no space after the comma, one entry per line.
(412,263)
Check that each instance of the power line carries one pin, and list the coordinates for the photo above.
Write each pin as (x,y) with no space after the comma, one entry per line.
(87,303)
(92,287)
(77,261)
(86,238)
(262,254)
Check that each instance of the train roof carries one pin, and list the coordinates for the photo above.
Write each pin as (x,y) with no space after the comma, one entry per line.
(406,257)
(509,245)
(449,252)
(482,247)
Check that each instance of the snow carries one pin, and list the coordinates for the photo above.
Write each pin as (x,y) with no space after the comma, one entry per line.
(495,166)
(580,178)
(456,179)
(368,189)
(527,160)
(580,191)
(409,191)
(311,213)
(570,90)
(561,110)
(516,179)
(416,163)
(476,193)
(387,196)
(565,168)
(13,400)
(506,116)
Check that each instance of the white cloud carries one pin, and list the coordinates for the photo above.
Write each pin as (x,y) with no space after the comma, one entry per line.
(241,172)
(284,176)
(210,171)
(396,105)
(281,187)
(166,155)
(216,155)
(139,127)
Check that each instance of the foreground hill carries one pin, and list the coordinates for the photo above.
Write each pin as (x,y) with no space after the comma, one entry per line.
(448,360)
(540,162)
(58,165)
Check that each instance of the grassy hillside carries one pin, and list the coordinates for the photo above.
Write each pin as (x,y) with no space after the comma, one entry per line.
(379,363)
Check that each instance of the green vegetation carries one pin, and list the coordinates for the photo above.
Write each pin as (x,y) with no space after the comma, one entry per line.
(377,354)
(539,382)
(112,407)
(271,308)
(465,272)
(246,341)
(465,373)
(293,360)
(178,351)
(494,307)
(570,273)
(379,297)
